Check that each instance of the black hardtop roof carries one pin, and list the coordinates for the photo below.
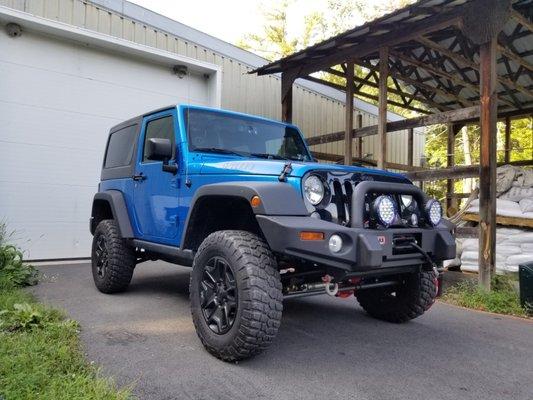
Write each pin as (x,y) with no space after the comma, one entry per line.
(138,118)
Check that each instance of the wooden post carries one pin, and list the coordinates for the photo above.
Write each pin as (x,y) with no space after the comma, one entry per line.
(451,202)
(287,80)
(487,167)
(382,108)
(348,127)
(507,157)
(359,145)
(410,146)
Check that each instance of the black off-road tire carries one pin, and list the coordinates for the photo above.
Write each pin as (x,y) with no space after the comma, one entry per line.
(115,275)
(412,299)
(258,294)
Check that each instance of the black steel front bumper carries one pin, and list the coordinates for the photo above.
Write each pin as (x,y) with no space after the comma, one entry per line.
(363,249)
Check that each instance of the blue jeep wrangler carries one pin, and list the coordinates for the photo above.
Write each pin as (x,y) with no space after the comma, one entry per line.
(241,200)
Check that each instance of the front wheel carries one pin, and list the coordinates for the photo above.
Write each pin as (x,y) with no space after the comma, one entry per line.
(236,297)
(412,298)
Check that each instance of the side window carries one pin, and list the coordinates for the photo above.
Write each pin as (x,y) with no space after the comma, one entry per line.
(120,147)
(161,128)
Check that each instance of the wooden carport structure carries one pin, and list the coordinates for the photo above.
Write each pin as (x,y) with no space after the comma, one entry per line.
(452,61)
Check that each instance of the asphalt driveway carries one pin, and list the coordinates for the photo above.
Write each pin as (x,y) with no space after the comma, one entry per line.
(326,348)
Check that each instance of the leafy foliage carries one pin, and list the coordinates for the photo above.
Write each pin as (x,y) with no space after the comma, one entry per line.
(436,149)
(40,355)
(13,271)
(502,299)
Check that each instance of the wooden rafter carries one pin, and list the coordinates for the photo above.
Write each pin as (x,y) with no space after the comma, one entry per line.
(518,17)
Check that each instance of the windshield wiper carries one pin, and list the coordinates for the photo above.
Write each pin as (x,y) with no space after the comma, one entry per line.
(219,150)
(269,156)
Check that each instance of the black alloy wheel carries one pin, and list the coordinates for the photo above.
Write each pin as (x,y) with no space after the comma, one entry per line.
(101,256)
(218,295)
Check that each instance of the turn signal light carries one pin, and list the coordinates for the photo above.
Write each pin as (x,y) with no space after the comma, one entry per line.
(255,201)
(306,235)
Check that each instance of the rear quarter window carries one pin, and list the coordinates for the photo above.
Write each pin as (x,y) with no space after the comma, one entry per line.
(120,147)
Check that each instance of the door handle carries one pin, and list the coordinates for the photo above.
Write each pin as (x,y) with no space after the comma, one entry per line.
(139,177)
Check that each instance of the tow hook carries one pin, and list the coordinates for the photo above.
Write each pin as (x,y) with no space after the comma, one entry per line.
(331,288)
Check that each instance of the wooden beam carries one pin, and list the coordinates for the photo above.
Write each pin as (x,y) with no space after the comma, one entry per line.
(410,146)
(395,36)
(458,172)
(507,140)
(363,94)
(451,203)
(487,176)
(503,220)
(465,62)
(454,78)
(382,106)
(337,158)
(522,20)
(366,82)
(359,143)
(348,127)
(287,80)
(462,114)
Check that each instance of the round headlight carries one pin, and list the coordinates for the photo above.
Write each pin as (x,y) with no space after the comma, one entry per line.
(433,211)
(313,189)
(385,210)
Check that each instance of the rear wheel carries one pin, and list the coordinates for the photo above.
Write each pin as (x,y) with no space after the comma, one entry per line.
(236,298)
(113,260)
(402,303)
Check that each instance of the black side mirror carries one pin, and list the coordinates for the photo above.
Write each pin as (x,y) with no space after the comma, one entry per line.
(159,149)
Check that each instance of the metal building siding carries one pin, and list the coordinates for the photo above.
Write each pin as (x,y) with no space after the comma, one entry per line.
(315,113)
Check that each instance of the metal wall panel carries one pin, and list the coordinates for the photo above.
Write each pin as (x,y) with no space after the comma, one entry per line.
(314,112)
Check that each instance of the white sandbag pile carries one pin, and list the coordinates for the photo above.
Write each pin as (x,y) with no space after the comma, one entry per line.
(513,247)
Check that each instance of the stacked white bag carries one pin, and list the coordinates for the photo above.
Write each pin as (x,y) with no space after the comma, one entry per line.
(513,246)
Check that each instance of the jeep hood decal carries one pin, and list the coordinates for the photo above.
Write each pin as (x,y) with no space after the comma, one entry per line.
(211,165)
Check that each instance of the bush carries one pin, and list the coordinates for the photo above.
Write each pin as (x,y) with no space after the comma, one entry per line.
(13,271)
(502,299)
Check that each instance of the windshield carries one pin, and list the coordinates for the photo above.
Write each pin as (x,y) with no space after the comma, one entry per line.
(217,132)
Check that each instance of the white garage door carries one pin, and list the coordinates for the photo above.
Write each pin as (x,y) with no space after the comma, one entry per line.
(58,99)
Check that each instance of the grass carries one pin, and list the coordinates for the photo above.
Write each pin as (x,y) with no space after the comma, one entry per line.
(502,299)
(44,360)
(40,350)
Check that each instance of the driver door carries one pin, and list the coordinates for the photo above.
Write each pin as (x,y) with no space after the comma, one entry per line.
(156,192)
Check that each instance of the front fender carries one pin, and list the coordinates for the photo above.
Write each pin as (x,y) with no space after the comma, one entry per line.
(277,199)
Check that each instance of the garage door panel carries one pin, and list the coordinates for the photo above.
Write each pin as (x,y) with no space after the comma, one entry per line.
(58,100)
(48,203)
(78,95)
(31,163)
(66,130)
(43,240)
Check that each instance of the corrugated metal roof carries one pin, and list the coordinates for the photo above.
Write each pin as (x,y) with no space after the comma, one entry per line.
(438,67)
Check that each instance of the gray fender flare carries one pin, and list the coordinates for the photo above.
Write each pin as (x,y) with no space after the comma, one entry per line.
(116,202)
(277,198)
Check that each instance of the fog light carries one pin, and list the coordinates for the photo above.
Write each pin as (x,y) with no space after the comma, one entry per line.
(335,243)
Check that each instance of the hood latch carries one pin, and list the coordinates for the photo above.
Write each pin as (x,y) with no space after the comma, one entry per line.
(287,169)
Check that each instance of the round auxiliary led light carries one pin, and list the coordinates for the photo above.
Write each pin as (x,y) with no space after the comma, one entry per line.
(335,243)
(385,210)
(433,211)
(313,189)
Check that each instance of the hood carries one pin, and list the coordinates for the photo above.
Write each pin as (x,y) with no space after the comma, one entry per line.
(230,165)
